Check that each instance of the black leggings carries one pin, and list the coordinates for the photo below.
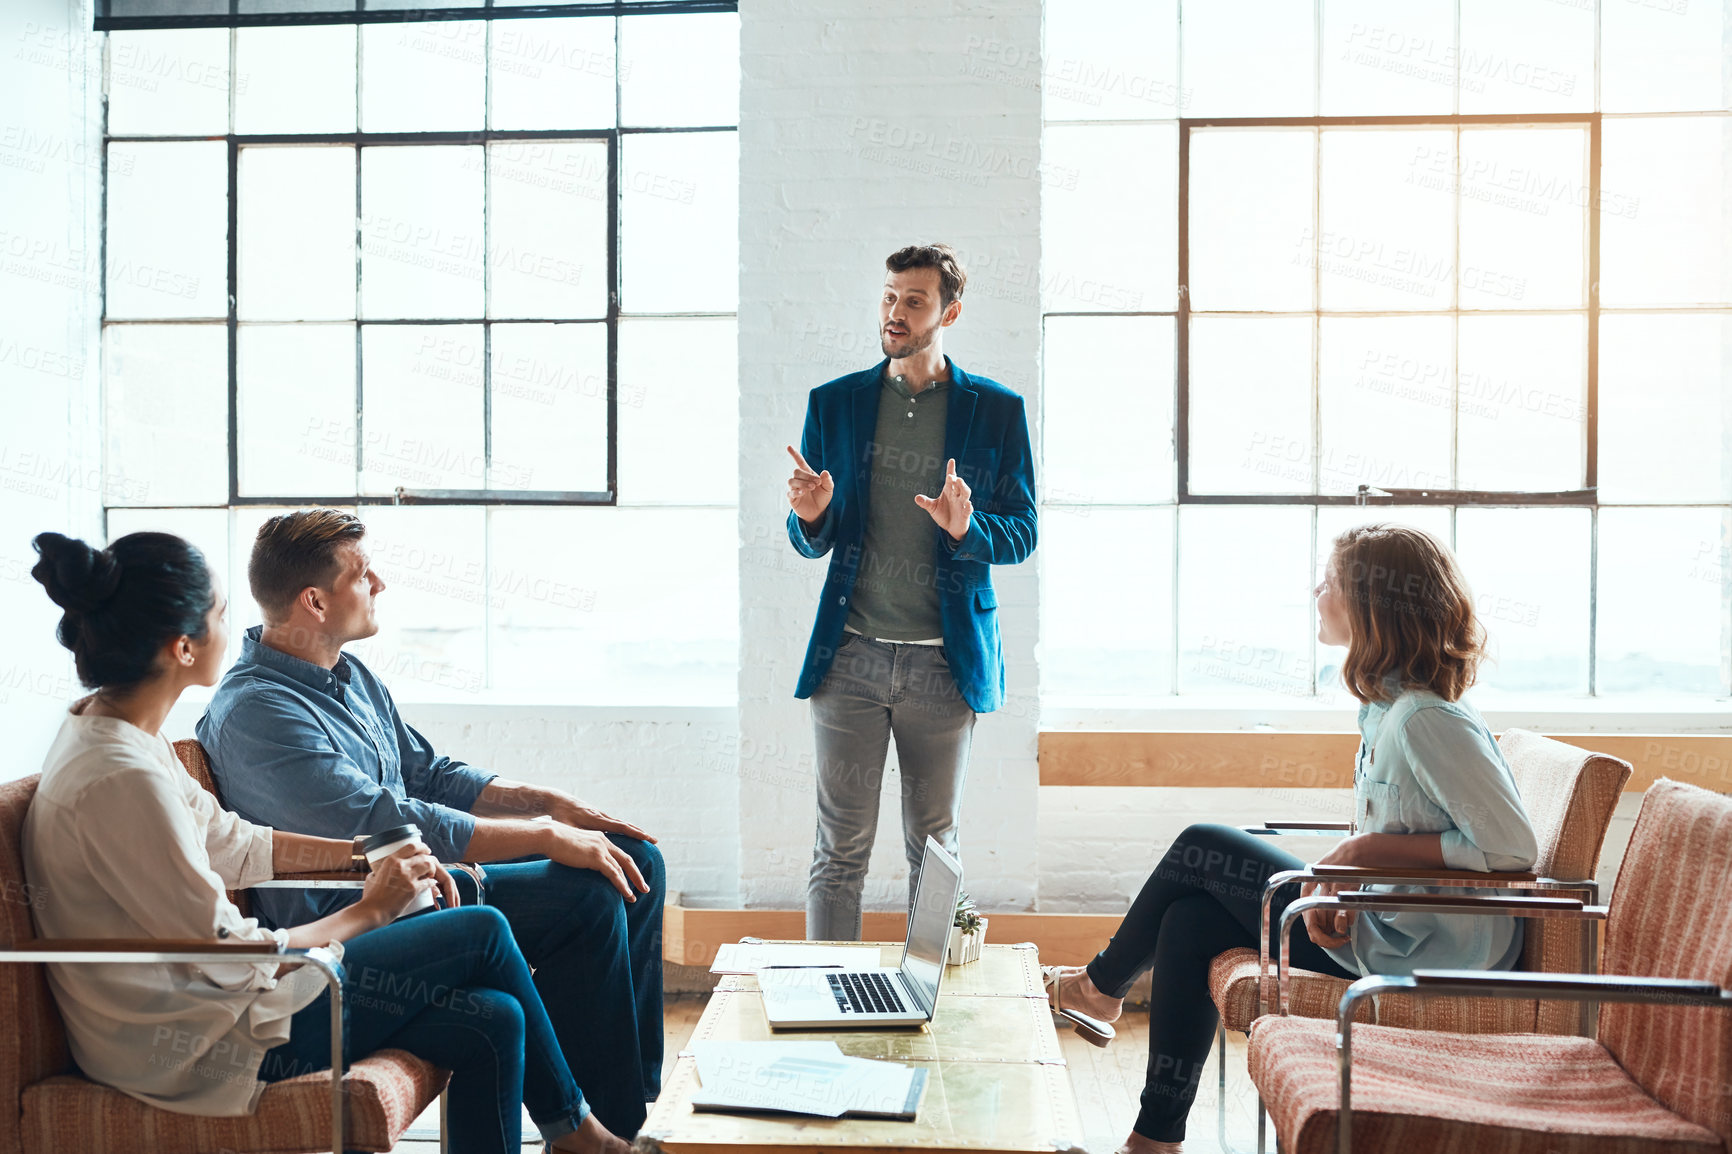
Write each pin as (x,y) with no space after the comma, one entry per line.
(1204,898)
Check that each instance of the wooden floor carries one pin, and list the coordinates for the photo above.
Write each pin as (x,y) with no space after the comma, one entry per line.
(1108,1082)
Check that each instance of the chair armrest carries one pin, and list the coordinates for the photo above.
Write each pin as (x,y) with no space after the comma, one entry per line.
(1459,903)
(1391,874)
(315,880)
(1594,987)
(146,946)
(1484,905)
(1300,828)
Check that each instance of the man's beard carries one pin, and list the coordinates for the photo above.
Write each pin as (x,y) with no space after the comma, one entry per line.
(914,342)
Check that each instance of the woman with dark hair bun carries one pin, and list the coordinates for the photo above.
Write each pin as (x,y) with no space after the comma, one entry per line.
(127,845)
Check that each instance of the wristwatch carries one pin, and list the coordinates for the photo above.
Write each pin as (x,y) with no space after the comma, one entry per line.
(358,860)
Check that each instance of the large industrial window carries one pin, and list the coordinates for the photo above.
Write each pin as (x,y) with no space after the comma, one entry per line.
(474,278)
(1464,266)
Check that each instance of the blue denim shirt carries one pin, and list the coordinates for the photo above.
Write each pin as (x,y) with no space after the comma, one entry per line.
(320,751)
(1426,765)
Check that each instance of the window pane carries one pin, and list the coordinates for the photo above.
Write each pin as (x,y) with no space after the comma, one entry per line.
(1528,569)
(297,233)
(433,609)
(1661,602)
(550,407)
(1106,630)
(678,412)
(421,419)
(1526,56)
(679,70)
(1384,399)
(1250,405)
(587,605)
(1252,222)
(295,79)
(1521,402)
(421,214)
(1245,600)
(1666,56)
(168,82)
(423,76)
(1664,234)
(1250,58)
(1665,382)
(1104,60)
(552,73)
(1388,242)
(679,222)
(547,228)
(168,230)
(1524,217)
(1383,59)
(1107,203)
(165,414)
(297,409)
(1121,366)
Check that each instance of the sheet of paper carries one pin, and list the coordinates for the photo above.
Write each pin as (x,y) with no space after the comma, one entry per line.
(750,957)
(798,1077)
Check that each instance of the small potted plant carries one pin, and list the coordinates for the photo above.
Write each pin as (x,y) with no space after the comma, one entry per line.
(967,932)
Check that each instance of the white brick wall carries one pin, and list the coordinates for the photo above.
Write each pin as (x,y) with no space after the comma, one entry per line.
(50,151)
(864,126)
(861,132)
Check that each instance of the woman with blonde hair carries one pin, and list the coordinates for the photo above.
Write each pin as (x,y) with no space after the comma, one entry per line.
(1431,790)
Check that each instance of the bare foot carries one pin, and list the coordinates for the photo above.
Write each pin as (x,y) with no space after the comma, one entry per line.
(592,1138)
(1077,992)
(1137,1144)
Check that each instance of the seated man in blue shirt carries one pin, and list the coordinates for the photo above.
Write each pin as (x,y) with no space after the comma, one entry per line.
(303,737)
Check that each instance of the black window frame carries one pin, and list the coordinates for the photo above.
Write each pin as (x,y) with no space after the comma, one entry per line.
(359,140)
(1587,496)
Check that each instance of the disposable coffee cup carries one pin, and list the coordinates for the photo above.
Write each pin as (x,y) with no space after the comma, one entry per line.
(387,842)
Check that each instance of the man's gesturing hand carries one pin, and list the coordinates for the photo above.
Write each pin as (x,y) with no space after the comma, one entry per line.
(588,849)
(808,492)
(952,508)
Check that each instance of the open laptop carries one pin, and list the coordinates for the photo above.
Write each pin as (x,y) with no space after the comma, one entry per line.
(905,996)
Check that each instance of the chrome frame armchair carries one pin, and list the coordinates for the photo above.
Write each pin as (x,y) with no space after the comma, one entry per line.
(136,951)
(1374,875)
(1589,989)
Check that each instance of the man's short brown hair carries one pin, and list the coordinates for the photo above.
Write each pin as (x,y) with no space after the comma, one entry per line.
(294,551)
(951,277)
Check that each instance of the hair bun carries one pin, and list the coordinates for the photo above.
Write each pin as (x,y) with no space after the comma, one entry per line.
(78,578)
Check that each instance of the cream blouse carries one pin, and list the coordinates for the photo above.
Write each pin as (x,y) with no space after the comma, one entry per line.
(123,843)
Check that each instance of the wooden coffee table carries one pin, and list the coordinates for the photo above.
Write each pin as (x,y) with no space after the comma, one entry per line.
(997,1080)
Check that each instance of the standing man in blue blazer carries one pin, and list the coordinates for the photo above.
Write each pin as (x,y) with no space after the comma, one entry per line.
(916,478)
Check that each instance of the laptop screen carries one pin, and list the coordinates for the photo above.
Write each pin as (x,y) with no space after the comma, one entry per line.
(929,923)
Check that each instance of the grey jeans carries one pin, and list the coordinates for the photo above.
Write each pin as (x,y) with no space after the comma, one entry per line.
(876,689)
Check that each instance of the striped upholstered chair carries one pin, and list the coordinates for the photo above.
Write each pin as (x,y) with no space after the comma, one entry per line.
(1656,1078)
(47,1108)
(1570,795)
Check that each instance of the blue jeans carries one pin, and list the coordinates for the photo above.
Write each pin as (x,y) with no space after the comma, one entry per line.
(598,968)
(451,988)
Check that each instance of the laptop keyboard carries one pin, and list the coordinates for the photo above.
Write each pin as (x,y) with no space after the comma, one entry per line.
(865,994)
